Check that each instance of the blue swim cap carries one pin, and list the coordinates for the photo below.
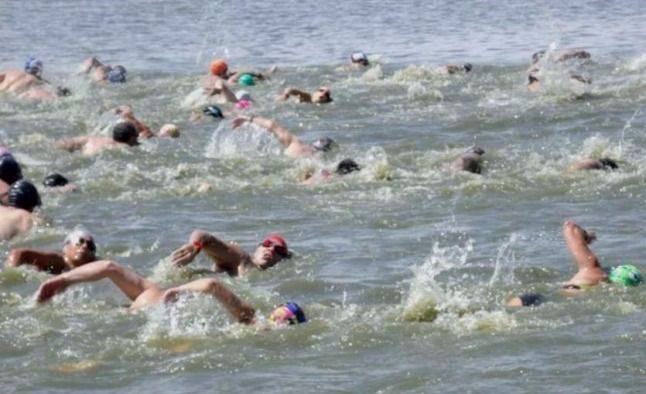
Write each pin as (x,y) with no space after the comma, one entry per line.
(214,111)
(33,66)
(117,74)
(297,311)
(246,80)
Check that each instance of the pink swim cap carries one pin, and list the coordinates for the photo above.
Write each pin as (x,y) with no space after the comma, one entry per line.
(243,104)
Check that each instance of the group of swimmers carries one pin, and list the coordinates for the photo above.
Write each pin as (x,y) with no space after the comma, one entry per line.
(78,262)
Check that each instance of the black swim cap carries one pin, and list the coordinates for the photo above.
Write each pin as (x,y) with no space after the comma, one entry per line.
(608,163)
(214,111)
(24,195)
(10,171)
(531,299)
(347,166)
(324,144)
(124,132)
(54,180)
(467,67)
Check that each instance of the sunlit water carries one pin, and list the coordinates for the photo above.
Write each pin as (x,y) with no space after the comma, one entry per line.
(403,267)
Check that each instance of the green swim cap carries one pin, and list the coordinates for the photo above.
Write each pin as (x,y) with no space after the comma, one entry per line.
(246,80)
(627,275)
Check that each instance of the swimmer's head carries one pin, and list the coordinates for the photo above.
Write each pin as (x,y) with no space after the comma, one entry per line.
(10,170)
(608,163)
(55,180)
(63,91)
(243,95)
(213,111)
(537,56)
(117,74)
(322,95)
(33,66)
(126,133)
(169,130)
(270,251)
(246,80)
(347,166)
(627,275)
(324,144)
(288,313)
(359,58)
(218,67)
(79,247)
(23,195)
(531,79)
(467,67)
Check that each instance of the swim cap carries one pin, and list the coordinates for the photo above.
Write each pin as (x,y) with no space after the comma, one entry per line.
(608,163)
(218,67)
(324,144)
(214,111)
(297,311)
(24,195)
(33,66)
(359,57)
(279,243)
(467,67)
(169,130)
(347,166)
(243,95)
(10,171)
(55,180)
(124,132)
(243,104)
(246,80)
(627,275)
(78,234)
(117,74)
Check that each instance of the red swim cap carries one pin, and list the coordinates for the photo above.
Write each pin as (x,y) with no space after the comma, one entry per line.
(278,242)
(218,67)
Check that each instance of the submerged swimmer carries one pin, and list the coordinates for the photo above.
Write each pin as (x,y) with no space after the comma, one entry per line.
(321,95)
(127,115)
(78,249)
(595,164)
(534,84)
(230,258)
(16,216)
(58,183)
(562,55)
(448,69)
(293,146)
(123,134)
(344,167)
(143,292)
(589,273)
(358,61)
(103,73)
(470,161)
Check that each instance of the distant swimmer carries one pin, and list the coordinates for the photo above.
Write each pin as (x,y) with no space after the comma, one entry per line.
(321,95)
(219,71)
(123,134)
(293,146)
(208,111)
(448,69)
(562,55)
(78,249)
(143,292)
(344,167)
(470,161)
(29,83)
(103,73)
(169,130)
(230,258)
(534,83)
(358,61)
(58,183)
(595,164)
(126,114)
(589,274)
(16,217)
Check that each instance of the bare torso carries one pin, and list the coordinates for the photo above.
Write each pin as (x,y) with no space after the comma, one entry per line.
(14,222)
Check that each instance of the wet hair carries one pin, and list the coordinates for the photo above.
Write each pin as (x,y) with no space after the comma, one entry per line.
(55,180)
(467,67)
(324,144)
(531,299)
(124,132)
(62,91)
(10,170)
(24,195)
(532,78)
(537,56)
(608,163)
(347,166)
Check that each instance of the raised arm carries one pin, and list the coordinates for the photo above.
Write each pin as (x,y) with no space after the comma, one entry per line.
(577,240)
(225,255)
(71,144)
(127,280)
(284,136)
(44,261)
(240,310)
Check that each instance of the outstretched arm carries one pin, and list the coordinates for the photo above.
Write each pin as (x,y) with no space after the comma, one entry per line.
(224,254)
(284,136)
(302,96)
(71,144)
(127,280)
(44,261)
(577,240)
(240,310)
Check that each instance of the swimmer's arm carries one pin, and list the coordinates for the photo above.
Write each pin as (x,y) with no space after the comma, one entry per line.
(51,262)
(284,136)
(302,96)
(218,250)
(577,240)
(71,144)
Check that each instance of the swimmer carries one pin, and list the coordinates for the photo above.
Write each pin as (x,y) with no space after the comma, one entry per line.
(169,130)
(217,87)
(78,249)
(230,258)
(344,167)
(595,164)
(534,84)
(449,69)
(293,146)
(470,161)
(17,218)
(319,96)
(358,61)
(219,71)
(562,55)
(58,183)
(244,100)
(103,73)
(143,292)
(589,273)
(123,134)
(10,170)
(212,111)
(29,83)
(125,111)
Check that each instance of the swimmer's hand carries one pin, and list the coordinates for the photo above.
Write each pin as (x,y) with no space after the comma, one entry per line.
(239,121)
(171,295)
(184,255)
(50,288)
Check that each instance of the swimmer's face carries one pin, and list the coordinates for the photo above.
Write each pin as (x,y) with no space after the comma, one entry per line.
(322,95)
(267,255)
(80,250)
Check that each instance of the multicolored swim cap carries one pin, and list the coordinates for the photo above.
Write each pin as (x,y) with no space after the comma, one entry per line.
(33,66)
(117,74)
(288,312)
(246,80)
(218,67)
(627,275)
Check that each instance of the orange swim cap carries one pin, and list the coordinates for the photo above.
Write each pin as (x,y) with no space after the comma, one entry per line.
(219,67)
